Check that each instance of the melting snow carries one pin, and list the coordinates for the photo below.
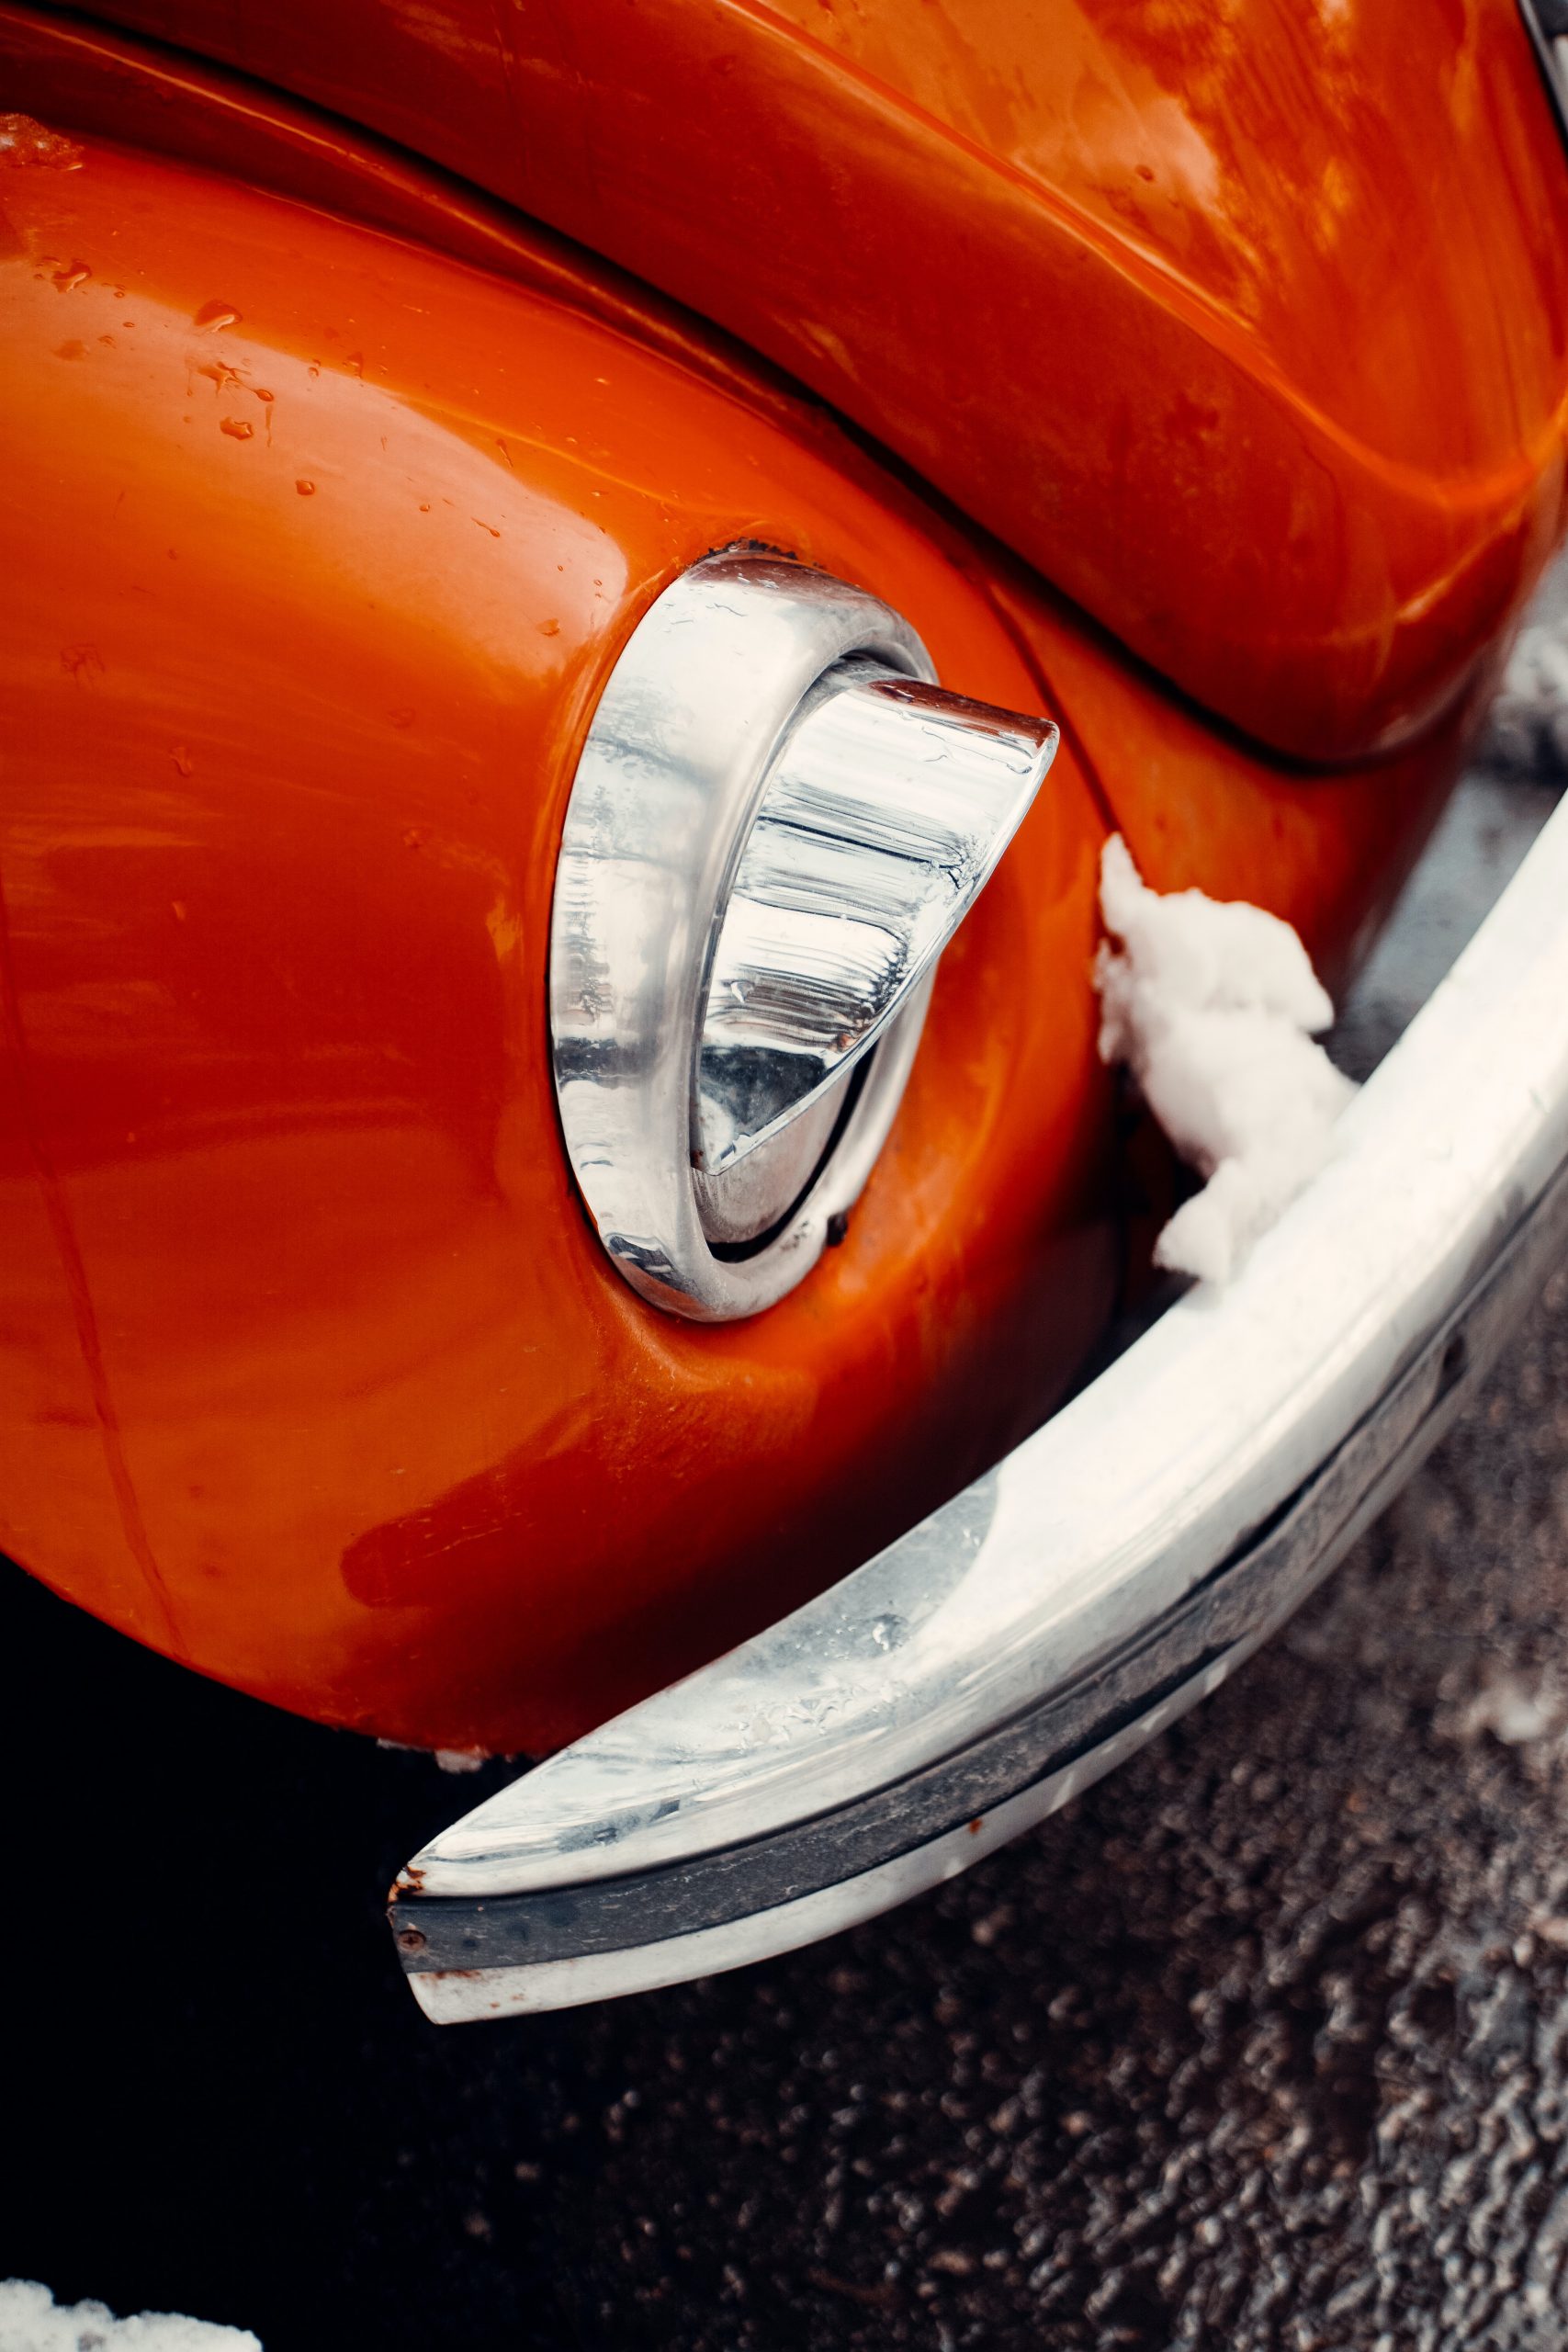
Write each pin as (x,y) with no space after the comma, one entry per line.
(1512,1710)
(1212,1005)
(30,2320)
(1526,727)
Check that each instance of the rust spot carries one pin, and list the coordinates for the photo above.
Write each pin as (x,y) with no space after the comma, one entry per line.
(975,1826)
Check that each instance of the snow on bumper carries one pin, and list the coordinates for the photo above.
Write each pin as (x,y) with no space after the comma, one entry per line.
(1113,1570)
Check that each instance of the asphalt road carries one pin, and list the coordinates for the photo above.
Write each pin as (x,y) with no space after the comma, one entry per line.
(1263,2043)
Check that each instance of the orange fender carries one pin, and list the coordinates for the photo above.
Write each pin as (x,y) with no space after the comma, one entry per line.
(314,1375)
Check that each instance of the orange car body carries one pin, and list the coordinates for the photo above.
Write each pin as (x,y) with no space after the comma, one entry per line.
(333,489)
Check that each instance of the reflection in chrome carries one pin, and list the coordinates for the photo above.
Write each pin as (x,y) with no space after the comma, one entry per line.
(885,811)
(778,821)
(1547,23)
(1111,1572)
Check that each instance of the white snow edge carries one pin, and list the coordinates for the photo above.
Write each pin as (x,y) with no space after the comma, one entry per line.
(1526,727)
(1212,1005)
(31,2321)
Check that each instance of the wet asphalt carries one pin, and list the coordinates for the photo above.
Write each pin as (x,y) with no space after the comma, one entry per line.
(1263,2043)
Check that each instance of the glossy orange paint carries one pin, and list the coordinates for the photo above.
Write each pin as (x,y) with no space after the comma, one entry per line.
(1248,328)
(314,1376)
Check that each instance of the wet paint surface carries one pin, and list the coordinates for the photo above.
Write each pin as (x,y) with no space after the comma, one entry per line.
(320,1380)
(1246,328)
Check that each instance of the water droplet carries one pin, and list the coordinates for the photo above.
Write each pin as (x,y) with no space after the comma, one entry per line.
(550,628)
(72,350)
(70,274)
(424,506)
(485,526)
(402,718)
(888,1632)
(182,760)
(239,428)
(306,489)
(259,395)
(213,315)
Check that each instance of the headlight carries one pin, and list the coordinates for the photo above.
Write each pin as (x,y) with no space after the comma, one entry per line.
(778,821)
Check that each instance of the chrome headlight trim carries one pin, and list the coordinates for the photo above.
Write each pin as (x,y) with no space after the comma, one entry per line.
(1546,21)
(729,662)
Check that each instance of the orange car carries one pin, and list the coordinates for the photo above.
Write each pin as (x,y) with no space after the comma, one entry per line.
(554,557)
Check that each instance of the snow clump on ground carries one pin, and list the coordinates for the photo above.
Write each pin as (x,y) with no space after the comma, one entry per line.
(1212,1005)
(31,2321)
(1528,725)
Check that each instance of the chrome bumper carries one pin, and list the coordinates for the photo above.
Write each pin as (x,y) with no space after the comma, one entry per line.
(1113,1570)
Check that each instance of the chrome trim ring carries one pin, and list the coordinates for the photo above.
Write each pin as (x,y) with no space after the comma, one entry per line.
(1546,21)
(754,680)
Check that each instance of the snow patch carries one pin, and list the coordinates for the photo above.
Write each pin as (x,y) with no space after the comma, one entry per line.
(1526,727)
(1211,1004)
(1512,1711)
(31,2321)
